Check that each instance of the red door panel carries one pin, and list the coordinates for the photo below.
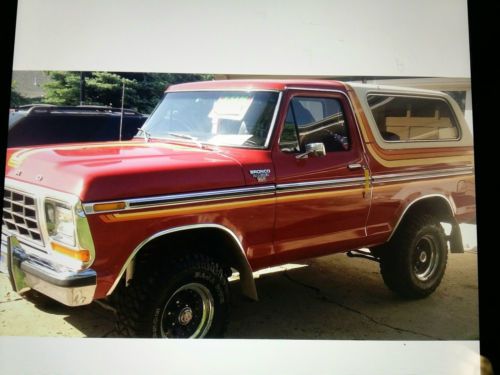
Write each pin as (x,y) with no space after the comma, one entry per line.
(322,201)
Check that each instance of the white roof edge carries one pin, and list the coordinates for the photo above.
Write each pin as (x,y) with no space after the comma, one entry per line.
(358,86)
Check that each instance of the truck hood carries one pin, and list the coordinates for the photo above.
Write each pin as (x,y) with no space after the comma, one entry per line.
(117,170)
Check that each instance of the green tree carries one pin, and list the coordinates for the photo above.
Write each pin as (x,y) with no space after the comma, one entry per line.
(142,90)
(16,99)
(105,88)
(62,89)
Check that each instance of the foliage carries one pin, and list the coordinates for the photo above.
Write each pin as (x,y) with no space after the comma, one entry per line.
(63,88)
(142,90)
(106,89)
(16,99)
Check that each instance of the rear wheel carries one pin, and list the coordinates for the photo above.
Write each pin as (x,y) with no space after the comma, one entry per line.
(186,298)
(414,261)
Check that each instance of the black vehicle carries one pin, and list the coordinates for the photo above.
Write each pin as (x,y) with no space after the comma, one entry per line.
(41,124)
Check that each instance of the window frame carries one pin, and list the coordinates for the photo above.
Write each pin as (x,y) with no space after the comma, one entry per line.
(314,97)
(454,119)
(268,143)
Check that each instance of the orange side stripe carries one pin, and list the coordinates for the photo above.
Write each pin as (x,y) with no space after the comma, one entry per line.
(166,212)
(420,161)
(184,210)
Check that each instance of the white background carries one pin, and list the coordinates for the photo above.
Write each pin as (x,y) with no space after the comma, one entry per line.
(21,355)
(289,37)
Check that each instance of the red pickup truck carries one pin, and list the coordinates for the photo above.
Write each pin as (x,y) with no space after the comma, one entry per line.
(230,176)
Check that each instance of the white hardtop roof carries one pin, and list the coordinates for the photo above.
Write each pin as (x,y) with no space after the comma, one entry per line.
(363,90)
(365,87)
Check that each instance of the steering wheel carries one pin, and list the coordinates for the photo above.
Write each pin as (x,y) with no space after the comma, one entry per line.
(253,141)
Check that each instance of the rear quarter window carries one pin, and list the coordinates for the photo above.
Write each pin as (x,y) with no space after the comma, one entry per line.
(413,119)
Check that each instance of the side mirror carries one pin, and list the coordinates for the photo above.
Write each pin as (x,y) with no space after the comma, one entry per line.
(313,149)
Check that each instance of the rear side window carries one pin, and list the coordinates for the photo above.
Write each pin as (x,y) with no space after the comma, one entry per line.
(413,119)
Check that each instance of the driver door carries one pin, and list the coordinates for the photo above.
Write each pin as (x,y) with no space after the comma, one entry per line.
(322,198)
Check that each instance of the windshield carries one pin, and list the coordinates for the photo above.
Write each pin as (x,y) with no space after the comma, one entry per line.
(222,118)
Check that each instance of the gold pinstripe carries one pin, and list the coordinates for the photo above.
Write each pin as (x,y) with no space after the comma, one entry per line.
(420,161)
(166,212)
(318,195)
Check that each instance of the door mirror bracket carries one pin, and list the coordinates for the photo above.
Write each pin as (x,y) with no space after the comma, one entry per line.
(313,149)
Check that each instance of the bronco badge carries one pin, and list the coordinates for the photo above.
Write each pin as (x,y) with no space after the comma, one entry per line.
(260,174)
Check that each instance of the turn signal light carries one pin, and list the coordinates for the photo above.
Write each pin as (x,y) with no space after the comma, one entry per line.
(81,254)
(99,207)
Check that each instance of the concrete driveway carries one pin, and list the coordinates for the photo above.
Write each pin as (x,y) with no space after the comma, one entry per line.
(333,297)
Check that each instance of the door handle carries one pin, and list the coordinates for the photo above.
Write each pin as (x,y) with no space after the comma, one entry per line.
(354,166)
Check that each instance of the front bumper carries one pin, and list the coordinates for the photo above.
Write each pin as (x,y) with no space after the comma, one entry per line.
(27,271)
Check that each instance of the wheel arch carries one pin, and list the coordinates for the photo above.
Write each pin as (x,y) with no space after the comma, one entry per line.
(232,251)
(442,208)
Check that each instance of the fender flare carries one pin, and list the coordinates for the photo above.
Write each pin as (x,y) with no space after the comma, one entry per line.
(455,237)
(246,274)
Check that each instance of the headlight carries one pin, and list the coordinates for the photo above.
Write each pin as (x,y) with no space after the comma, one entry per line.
(60,222)
(69,234)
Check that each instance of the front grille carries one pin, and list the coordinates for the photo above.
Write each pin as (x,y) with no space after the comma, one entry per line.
(20,215)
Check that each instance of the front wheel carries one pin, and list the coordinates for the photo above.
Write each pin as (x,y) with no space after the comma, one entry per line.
(186,298)
(414,261)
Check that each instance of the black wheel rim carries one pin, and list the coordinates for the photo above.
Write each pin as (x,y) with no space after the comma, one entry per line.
(188,313)
(426,258)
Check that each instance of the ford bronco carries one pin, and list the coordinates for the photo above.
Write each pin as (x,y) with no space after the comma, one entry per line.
(237,176)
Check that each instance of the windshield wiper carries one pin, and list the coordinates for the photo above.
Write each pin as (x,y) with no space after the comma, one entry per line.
(147,135)
(186,136)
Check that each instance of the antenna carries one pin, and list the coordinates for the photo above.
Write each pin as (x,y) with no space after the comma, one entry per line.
(121,114)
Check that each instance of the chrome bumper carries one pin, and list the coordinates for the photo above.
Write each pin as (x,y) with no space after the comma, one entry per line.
(27,271)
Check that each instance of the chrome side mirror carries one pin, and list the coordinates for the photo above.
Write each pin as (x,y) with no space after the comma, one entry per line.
(313,149)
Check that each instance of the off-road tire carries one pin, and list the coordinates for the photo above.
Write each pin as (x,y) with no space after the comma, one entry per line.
(142,305)
(413,263)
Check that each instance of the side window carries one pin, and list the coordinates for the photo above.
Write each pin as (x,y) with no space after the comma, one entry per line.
(314,120)
(407,119)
